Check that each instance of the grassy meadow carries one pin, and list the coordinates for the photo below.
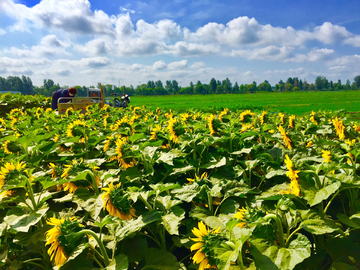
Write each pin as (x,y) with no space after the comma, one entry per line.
(291,102)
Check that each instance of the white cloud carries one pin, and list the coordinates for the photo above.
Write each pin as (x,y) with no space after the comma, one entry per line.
(49,46)
(20,71)
(178,65)
(355,41)
(12,62)
(197,65)
(329,33)
(269,53)
(346,60)
(182,48)
(312,56)
(2,32)
(159,65)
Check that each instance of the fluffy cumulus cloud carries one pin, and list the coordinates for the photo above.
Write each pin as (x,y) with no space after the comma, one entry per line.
(312,56)
(269,53)
(49,46)
(159,65)
(77,39)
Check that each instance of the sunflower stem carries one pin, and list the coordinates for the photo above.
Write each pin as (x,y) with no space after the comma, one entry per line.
(146,203)
(278,225)
(95,184)
(100,243)
(31,195)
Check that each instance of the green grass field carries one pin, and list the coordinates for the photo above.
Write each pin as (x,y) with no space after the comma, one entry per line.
(290,102)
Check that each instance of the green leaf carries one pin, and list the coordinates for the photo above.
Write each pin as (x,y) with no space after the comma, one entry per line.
(88,201)
(215,164)
(267,256)
(170,156)
(274,193)
(229,206)
(315,197)
(342,266)
(135,225)
(171,222)
(158,259)
(134,248)
(22,222)
(187,193)
(120,262)
(319,226)
(348,221)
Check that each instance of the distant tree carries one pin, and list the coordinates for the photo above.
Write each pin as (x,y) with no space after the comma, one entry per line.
(48,84)
(301,85)
(213,85)
(288,86)
(227,85)
(265,87)
(306,85)
(348,85)
(28,85)
(192,87)
(175,86)
(357,82)
(3,86)
(168,86)
(243,88)
(158,83)
(321,83)
(220,89)
(236,88)
(150,84)
(291,81)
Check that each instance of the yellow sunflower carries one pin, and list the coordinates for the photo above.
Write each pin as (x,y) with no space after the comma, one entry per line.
(240,214)
(203,234)
(71,127)
(171,130)
(154,131)
(8,168)
(285,137)
(339,128)
(262,117)
(56,251)
(291,121)
(203,176)
(326,155)
(61,240)
(210,120)
(116,202)
(75,167)
(293,176)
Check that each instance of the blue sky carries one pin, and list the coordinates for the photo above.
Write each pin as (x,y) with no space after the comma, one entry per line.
(83,42)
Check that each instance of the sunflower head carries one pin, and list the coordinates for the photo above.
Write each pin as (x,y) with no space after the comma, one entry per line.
(241,216)
(72,170)
(11,171)
(11,147)
(63,238)
(206,242)
(117,203)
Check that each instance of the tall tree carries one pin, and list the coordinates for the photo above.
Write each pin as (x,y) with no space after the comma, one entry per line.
(158,83)
(175,86)
(357,82)
(213,85)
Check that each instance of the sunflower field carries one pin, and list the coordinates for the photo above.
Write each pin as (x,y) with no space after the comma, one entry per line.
(161,189)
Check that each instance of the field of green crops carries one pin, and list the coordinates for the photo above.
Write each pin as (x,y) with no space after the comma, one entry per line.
(295,103)
(156,188)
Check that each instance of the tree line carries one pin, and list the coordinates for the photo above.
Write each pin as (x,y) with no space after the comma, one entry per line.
(25,86)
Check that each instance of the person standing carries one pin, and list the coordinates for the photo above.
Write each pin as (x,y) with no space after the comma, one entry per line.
(71,92)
